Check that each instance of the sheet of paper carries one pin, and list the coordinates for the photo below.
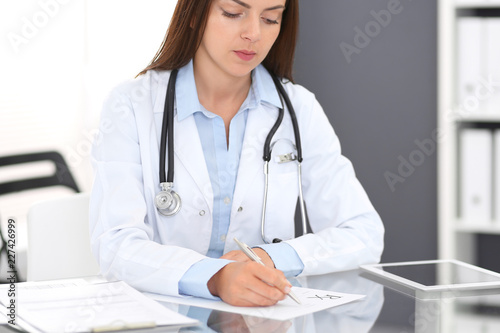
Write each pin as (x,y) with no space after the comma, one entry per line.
(8,292)
(77,307)
(46,285)
(312,300)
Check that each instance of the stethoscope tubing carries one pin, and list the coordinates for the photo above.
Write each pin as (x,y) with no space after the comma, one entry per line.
(168,127)
(293,116)
(166,179)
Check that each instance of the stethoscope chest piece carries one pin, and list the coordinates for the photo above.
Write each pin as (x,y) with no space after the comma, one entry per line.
(168,201)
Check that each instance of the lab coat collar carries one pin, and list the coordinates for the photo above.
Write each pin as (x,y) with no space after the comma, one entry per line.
(186,94)
(265,90)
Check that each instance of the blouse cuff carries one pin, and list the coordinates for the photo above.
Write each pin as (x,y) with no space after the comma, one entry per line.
(194,281)
(285,258)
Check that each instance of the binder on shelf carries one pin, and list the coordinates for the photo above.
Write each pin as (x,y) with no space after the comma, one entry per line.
(476,176)
(470,60)
(492,102)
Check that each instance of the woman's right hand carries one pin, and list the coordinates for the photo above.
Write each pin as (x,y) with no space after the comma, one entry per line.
(249,284)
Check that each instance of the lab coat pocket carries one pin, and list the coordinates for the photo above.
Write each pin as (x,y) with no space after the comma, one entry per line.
(281,203)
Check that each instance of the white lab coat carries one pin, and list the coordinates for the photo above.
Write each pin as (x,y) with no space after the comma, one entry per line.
(134,243)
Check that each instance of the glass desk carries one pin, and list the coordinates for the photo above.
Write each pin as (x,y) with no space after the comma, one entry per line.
(383,310)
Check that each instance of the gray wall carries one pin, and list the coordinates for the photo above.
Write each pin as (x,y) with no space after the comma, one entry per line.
(379,103)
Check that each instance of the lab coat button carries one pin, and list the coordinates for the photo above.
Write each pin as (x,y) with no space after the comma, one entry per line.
(202,212)
(240,209)
(227,201)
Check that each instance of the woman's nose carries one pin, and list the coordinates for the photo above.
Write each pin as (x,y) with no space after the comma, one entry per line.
(251,29)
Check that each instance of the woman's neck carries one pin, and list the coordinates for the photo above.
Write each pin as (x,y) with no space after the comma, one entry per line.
(218,91)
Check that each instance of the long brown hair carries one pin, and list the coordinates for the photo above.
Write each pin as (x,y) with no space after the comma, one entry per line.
(187,27)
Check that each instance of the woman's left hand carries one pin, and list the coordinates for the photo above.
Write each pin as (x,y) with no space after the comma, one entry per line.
(238,255)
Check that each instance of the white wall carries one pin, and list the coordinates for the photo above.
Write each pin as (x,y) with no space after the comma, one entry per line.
(58,60)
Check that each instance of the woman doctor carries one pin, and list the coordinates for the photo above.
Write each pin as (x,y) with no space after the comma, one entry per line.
(225,104)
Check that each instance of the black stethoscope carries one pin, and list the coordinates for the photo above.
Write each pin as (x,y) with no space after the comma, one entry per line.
(168,202)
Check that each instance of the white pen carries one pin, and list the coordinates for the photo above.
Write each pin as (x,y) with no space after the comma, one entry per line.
(252,255)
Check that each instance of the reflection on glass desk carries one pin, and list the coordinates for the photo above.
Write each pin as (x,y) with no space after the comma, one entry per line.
(382,310)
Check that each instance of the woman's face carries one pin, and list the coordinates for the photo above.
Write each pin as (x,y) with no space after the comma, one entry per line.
(238,35)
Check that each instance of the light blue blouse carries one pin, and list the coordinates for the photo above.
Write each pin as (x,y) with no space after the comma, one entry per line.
(222,163)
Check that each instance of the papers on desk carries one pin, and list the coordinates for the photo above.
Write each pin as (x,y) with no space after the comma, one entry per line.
(313,300)
(77,306)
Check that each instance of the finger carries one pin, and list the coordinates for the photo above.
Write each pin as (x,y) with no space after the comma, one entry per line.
(260,285)
(254,289)
(270,293)
(242,284)
(274,277)
(248,297)
(261,294)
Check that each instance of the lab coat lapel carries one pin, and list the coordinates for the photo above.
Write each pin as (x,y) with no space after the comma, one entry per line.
(189,151)
(259,123)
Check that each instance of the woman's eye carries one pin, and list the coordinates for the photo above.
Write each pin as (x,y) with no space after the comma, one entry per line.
(269,21)
(230,15)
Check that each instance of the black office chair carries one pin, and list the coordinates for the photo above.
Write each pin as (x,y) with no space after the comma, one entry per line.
(61,177)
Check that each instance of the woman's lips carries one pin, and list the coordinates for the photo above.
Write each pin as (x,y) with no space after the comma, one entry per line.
(245,55)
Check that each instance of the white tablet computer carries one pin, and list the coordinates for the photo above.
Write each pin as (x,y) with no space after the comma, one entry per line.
(436,278)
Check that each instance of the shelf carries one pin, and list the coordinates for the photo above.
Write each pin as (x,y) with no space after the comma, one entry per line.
(477,117)
(455,114)
(492,229)
(476,4)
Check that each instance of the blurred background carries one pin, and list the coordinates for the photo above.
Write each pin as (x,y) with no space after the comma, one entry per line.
(59,61)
